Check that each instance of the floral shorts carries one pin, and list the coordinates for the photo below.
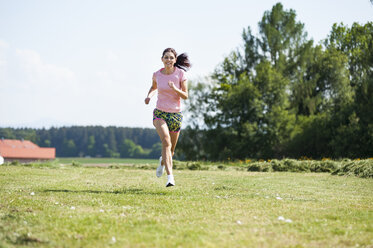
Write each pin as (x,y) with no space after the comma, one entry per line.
(173,120)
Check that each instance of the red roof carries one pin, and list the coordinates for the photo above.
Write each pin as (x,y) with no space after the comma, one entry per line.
(24,149)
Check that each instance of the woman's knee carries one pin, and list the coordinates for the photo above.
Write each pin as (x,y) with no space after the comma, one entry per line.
(166,142)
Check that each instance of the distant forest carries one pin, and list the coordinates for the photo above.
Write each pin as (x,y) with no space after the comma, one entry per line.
(92,141)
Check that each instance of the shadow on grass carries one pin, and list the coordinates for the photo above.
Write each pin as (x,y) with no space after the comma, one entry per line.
(130,191)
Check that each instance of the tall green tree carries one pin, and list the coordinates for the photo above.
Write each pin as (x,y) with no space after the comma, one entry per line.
(281,95)
(248,113)
(354,134)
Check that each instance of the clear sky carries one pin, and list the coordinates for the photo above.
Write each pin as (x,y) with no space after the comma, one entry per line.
(90,62)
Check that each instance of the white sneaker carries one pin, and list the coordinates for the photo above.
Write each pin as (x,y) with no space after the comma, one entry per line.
(160,168)
(169,184)
(170,181)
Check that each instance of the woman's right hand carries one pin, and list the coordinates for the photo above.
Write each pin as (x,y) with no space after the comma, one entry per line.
(147,100)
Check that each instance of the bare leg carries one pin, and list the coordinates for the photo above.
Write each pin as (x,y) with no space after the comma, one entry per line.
(164,135)
(174,138)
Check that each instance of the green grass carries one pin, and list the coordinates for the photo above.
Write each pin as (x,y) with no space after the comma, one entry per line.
(107,161)
(95,207)
(360,168)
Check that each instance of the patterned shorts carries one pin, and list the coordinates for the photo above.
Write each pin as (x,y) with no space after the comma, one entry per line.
(173,120)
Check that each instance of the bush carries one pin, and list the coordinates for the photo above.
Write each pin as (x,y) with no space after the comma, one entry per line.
(363,168)
(113,166)
(15,163)
(76,164)
(260,166)
(278,165)
(359,168)
(36,164)
(194,166)
(294,166)
(326,166)
(178,165)
(290,165)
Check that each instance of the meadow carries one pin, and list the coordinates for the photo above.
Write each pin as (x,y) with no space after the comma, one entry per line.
(62,205)
(111,161)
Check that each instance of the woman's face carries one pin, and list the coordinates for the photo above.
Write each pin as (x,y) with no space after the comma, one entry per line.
(169,60)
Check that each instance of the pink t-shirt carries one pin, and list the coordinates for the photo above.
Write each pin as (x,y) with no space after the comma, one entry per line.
(168,99)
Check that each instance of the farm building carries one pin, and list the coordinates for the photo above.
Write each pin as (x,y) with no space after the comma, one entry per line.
(24,151)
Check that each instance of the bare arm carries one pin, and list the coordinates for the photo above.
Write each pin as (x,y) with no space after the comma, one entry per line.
(183,92)
(151,92)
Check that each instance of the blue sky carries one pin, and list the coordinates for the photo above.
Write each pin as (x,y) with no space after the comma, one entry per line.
(90,62)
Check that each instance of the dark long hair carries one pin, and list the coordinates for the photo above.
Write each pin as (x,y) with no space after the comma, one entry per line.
(182,60)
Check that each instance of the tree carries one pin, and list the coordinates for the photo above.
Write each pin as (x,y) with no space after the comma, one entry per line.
(281,35)
(91,145)
(69,148)
(110,153)
(129,149)
(156,150)
(89,140)
(354,132)
(281,95)
(248,112)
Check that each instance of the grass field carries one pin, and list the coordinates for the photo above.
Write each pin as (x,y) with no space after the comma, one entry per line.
(69,206)
(107,161)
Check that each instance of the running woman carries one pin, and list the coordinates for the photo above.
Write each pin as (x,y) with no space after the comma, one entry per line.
(171,84)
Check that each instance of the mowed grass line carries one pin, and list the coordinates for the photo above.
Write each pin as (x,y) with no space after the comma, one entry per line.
(95,207)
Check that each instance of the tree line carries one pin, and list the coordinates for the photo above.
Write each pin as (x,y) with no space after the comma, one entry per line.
(92,141)
(281,95)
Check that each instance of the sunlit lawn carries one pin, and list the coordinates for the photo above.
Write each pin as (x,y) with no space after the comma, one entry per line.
(107,161)
(95,207)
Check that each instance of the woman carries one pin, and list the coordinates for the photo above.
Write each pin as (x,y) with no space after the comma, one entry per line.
(171,84)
